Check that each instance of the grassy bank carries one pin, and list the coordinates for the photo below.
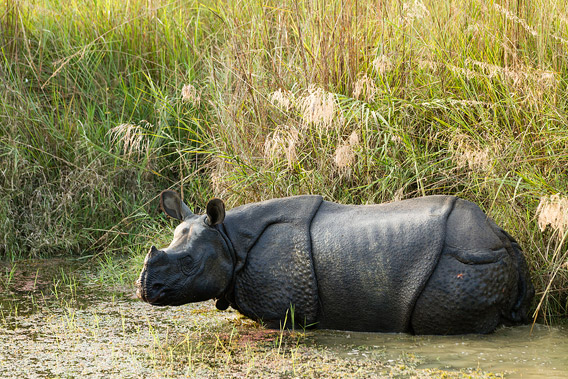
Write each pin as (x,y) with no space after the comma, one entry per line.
(105,104)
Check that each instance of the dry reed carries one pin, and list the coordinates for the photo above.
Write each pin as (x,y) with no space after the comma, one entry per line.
(552,211)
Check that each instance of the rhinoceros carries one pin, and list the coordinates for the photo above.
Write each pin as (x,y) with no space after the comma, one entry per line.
(429,265)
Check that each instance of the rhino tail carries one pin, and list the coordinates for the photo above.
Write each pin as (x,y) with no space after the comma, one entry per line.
(525,290)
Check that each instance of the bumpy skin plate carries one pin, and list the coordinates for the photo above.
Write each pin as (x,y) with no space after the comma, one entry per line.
(480,282)
(274,271)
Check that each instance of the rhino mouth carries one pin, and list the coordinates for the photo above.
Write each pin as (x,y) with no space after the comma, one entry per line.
(152,298)
(149,292)
(144,296)
(156,293)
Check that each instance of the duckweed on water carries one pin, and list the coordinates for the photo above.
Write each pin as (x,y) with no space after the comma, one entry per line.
(61,323)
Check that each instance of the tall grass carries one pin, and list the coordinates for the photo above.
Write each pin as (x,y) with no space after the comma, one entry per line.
(362,101)
(92,121)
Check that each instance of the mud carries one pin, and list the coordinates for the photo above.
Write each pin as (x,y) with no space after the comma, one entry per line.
(58,319)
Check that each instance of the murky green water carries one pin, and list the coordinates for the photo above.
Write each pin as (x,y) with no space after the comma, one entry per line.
(518,352)
(56,320)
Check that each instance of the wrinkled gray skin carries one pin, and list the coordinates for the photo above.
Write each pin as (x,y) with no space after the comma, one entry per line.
(431,265)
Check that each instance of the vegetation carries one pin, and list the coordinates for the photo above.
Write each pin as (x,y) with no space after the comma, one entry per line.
(107,103)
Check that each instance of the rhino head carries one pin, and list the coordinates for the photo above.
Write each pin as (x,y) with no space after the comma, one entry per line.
(196,266)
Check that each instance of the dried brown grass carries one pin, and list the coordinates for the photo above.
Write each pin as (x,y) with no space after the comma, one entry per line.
(128,139)
(552,212)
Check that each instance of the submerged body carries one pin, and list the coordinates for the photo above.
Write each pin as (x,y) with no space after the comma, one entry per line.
(432,265)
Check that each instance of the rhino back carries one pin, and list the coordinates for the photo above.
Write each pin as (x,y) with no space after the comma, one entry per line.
(371,262)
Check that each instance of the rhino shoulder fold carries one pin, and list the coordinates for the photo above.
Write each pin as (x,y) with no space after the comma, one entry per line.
(245,224)
(274,274)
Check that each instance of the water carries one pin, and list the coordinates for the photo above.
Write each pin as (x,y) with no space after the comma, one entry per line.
(57,321)
(515,351)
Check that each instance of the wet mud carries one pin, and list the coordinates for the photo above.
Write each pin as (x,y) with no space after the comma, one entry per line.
(57,319)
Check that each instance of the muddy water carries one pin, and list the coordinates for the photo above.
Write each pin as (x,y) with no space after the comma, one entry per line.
(517,352)
(58,320)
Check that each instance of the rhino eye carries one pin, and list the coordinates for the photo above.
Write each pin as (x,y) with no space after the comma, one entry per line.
(187,265)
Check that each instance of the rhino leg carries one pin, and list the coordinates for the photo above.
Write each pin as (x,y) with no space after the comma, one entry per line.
(480,282)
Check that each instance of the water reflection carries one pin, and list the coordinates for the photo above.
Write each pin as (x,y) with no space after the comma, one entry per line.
(515,351)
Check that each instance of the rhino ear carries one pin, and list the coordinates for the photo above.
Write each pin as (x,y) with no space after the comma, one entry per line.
(173,206)
(215,212)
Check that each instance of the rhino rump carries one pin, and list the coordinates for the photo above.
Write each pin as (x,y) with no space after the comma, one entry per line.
(480,282)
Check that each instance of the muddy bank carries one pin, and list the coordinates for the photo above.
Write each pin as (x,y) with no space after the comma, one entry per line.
(58,320)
